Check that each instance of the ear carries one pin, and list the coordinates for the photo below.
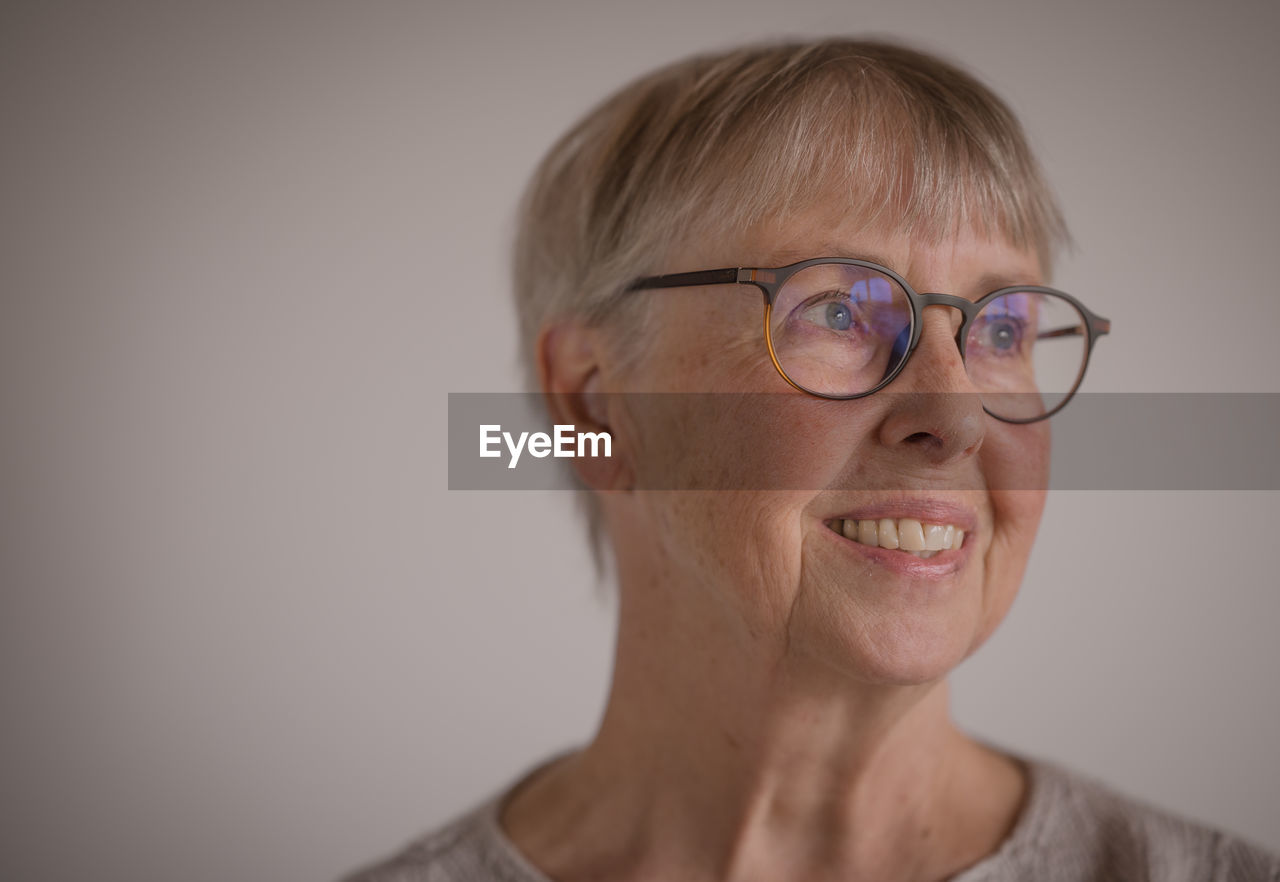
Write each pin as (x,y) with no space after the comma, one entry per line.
(572,367)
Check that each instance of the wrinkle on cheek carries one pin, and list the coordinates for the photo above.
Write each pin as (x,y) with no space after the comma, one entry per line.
(827,595)
(773,564)
(1016,519)
(739,549)
(802,578)
(1015,462)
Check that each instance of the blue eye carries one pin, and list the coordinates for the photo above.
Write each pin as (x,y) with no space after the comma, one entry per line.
(838,316)
(1004,334)
(833,314)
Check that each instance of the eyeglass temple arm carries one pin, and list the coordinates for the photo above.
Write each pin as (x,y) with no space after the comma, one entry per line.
(687,280)
(1100,326)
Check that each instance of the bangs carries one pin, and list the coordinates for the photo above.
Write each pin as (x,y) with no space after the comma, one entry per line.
(923,150)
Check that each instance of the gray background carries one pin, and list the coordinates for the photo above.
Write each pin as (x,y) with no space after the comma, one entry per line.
(247,632)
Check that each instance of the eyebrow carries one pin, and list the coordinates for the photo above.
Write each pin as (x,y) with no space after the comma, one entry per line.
(793,255)
(996,281)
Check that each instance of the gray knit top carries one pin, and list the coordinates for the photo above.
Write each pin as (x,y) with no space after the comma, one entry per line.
(1071,829)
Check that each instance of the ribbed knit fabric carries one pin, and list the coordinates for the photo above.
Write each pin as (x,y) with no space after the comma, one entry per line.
(1072,829)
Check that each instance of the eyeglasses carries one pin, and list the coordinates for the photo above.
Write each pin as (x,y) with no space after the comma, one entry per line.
(841,328)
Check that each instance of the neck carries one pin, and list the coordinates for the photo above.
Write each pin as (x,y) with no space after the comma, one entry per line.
(722,758)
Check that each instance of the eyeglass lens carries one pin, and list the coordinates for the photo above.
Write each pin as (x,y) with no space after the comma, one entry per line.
(841,329)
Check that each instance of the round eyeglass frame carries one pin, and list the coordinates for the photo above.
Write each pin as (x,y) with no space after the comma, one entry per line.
(771,279)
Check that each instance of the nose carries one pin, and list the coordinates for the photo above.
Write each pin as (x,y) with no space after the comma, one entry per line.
(933,410)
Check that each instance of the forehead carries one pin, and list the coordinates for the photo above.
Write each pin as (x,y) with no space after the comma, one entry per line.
(962,259)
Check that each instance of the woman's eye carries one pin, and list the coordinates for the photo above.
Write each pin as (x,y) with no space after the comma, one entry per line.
(835,315)
(1003,335)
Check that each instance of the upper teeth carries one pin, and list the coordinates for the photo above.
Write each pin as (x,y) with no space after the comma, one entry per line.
(907,534)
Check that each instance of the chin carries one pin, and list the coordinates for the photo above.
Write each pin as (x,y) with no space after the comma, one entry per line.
(906,646)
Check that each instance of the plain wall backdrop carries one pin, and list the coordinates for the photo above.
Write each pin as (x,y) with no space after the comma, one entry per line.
(246,631)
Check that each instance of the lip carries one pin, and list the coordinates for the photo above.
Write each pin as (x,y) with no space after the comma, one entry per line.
(939,566)
(932,511)
(926,510)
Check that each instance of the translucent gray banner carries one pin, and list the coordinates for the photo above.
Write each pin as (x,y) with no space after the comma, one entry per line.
(787,441)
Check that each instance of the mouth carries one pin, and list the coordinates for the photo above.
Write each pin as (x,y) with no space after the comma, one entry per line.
(922,539)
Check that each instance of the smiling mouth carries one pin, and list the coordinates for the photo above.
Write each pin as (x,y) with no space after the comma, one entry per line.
(919,538)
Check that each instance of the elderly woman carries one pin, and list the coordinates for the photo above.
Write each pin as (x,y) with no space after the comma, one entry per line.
(837,506)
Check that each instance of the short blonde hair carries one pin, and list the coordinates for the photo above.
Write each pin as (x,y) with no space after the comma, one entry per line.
(717,143)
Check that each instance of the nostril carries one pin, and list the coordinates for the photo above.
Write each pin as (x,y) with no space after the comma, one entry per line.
(936,427)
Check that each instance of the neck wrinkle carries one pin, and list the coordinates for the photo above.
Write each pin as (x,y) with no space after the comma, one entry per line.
(753,764)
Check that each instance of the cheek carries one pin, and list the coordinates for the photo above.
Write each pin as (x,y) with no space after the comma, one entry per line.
(1016,457)
(740,551)
(735,474)
(736,438)
(1016,518)
(1017,464)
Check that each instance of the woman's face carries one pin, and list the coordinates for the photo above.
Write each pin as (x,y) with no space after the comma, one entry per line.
(769,549)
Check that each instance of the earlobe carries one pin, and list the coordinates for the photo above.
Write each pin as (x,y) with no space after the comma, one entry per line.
(572,362)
